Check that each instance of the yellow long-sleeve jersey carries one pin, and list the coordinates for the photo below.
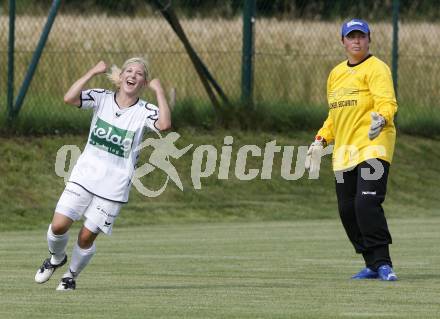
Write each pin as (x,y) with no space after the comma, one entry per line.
(353,93)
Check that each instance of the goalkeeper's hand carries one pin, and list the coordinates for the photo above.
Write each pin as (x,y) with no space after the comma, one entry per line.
(313,158)
(377,123)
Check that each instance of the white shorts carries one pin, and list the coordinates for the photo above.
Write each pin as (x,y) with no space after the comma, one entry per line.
(100,213)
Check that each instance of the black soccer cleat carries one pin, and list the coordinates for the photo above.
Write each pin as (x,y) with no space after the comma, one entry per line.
(47,269)
(67,283)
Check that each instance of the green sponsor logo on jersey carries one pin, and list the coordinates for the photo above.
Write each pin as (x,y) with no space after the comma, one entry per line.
(112,139)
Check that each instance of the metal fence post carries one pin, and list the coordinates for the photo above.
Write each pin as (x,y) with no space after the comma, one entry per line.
(11,41)
(248,51)
(36,57)
(395,53)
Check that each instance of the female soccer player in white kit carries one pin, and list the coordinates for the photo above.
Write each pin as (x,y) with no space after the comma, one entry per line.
(100,181)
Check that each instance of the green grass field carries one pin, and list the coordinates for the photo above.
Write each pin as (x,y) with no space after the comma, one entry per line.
(296,269)
(233,249)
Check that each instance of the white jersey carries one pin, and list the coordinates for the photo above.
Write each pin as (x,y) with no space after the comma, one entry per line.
(107,163)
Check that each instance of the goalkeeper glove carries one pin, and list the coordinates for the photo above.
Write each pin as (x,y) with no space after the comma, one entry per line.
(313,158)
(377,123)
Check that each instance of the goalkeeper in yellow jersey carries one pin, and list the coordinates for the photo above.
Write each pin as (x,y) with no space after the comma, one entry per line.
(360,123)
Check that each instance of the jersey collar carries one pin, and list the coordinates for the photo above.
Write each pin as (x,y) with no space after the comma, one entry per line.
(356,64)
(122,108)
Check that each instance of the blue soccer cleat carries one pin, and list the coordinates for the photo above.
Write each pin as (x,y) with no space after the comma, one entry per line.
(386,273)
(366,273)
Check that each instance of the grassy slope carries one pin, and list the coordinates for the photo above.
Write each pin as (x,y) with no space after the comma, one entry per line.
(29,188)
(236,270)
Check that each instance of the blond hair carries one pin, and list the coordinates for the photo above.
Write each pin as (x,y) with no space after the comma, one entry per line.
(115,71)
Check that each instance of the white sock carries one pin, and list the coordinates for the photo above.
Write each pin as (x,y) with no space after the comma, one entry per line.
(80,259)
(57,245)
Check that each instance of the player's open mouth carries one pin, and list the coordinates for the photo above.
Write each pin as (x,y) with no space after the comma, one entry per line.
(131,83)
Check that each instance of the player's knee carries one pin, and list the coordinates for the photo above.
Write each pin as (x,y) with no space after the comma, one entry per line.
(85,242)
(86,239)
(60,224)
(59,228)
(346,208)
(368,204)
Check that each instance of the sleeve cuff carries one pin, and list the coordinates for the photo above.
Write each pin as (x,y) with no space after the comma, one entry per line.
(387,116)
(325,135)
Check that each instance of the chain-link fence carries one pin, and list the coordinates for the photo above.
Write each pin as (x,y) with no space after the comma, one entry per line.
(296,45)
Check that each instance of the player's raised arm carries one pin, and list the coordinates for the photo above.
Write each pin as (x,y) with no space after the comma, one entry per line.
(164,121)
(72,96)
